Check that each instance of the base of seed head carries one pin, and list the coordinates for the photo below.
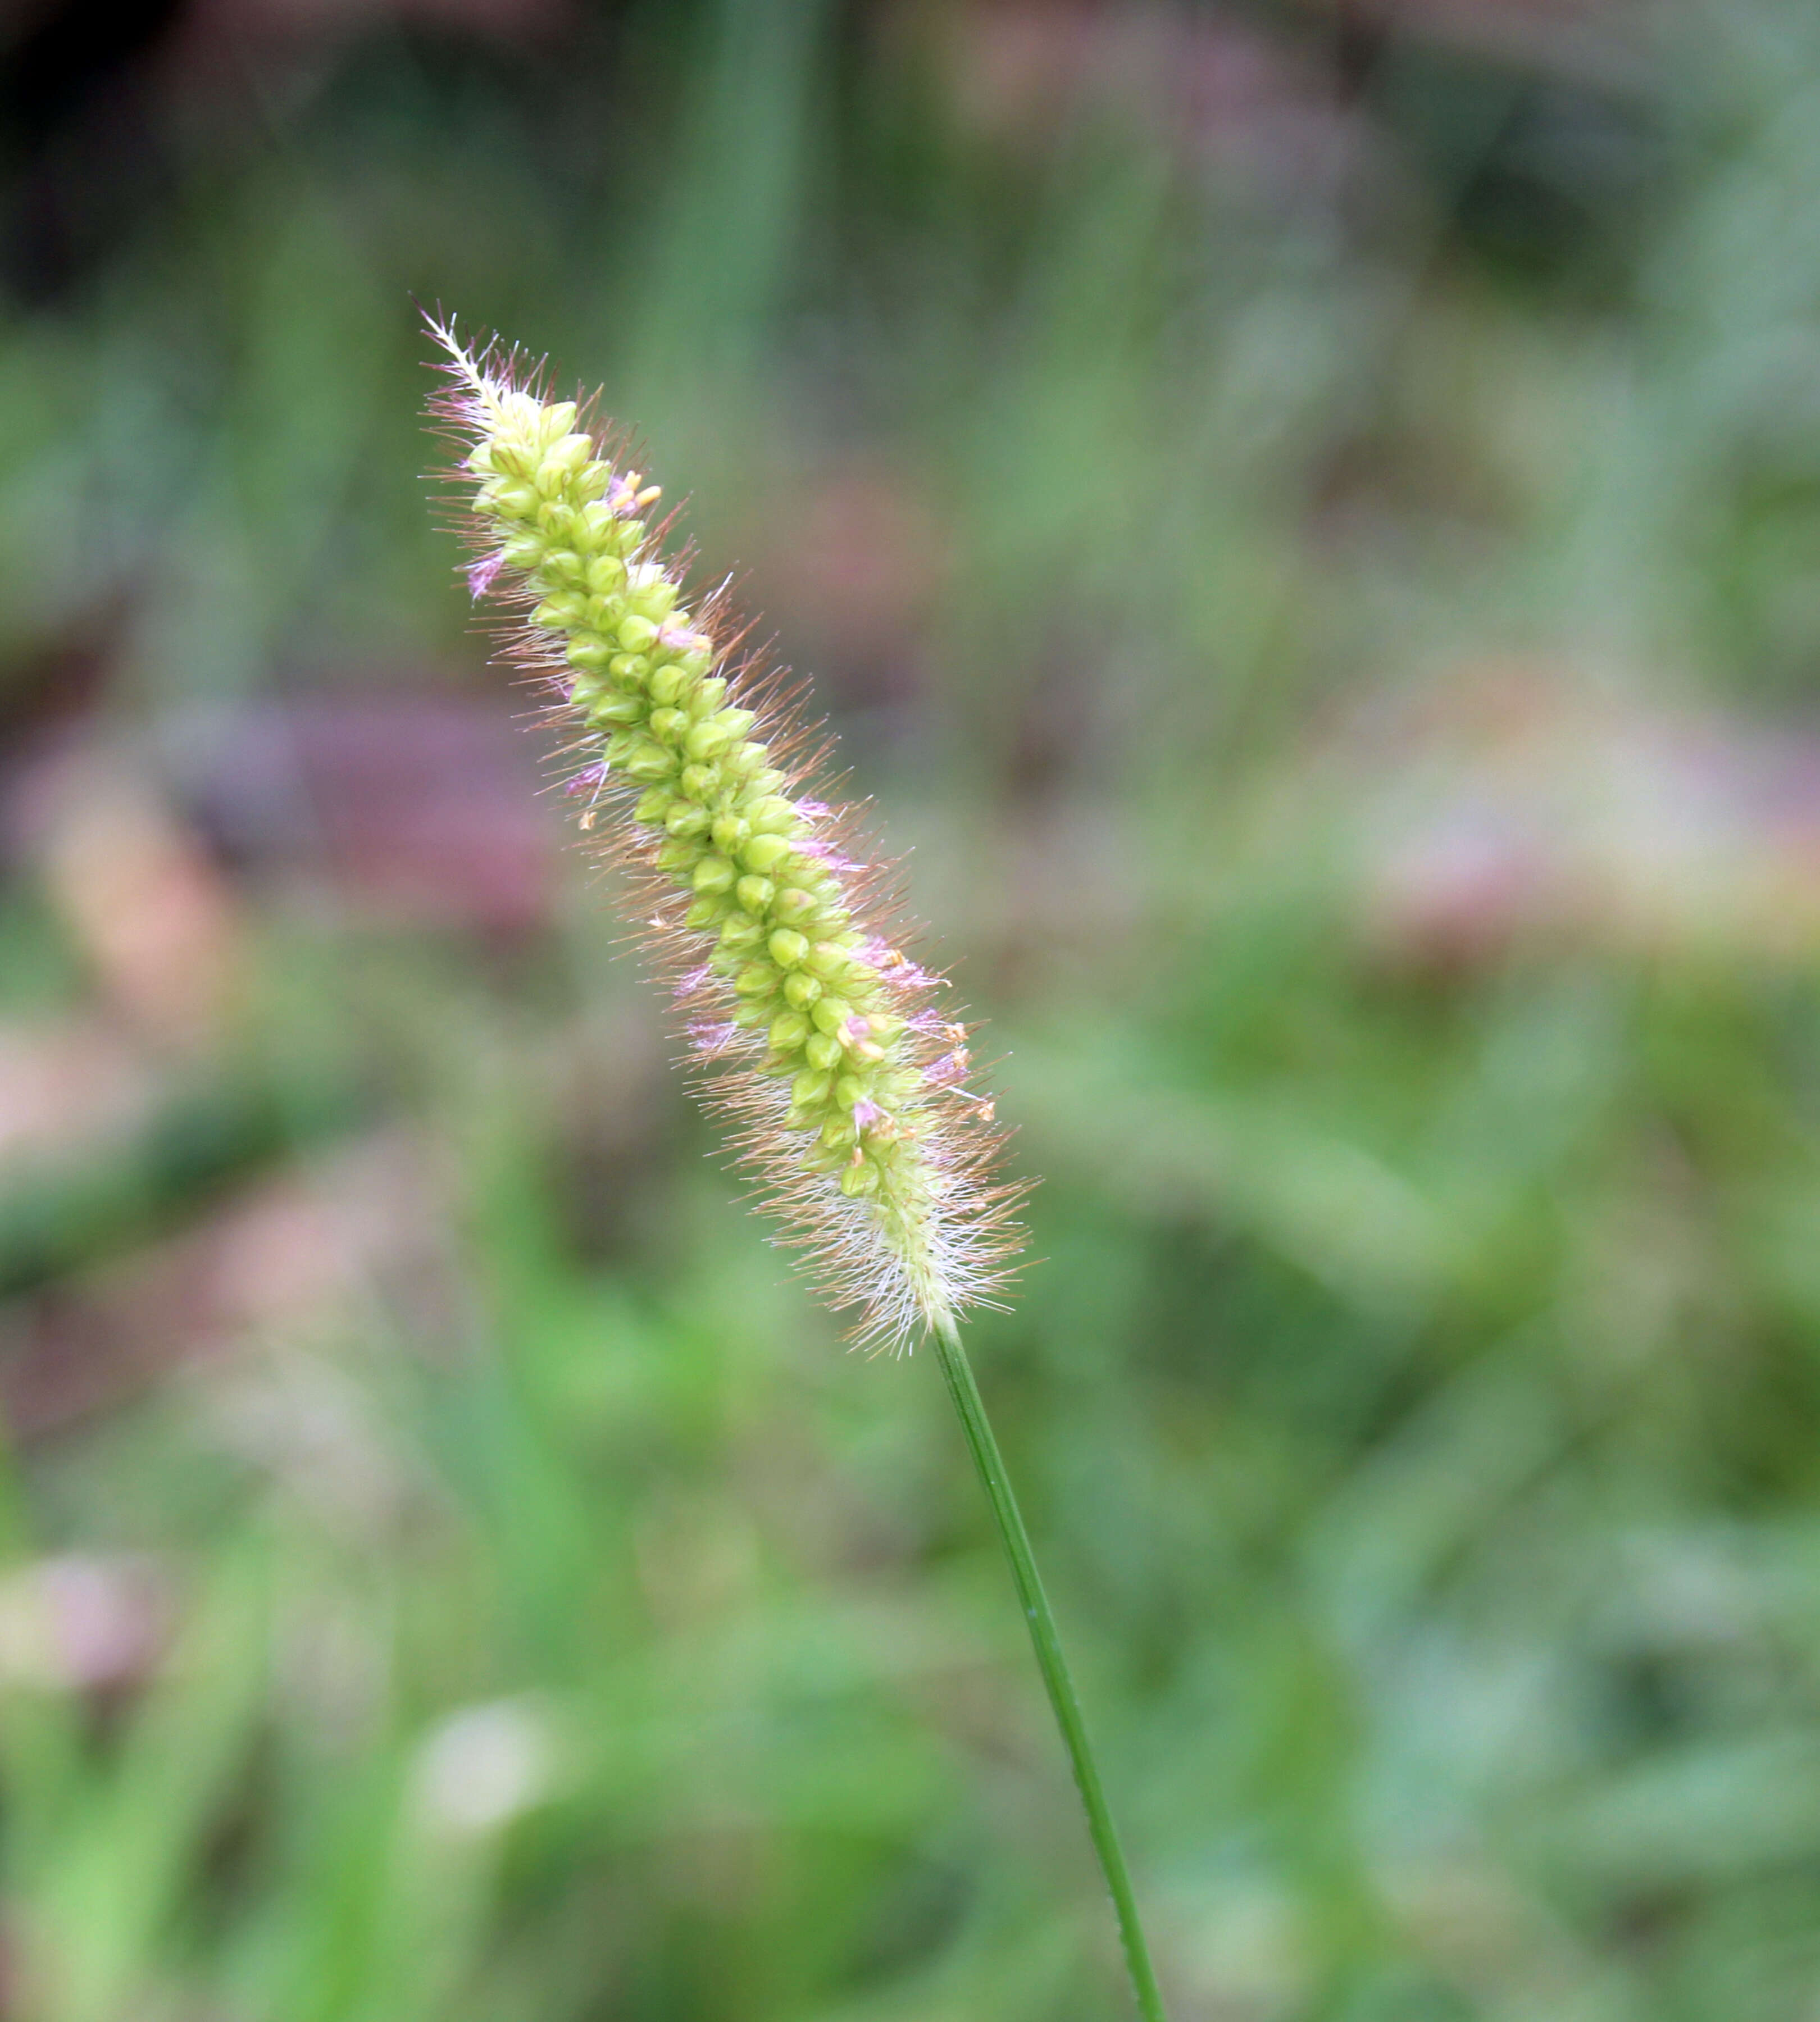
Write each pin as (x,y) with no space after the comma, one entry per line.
(845,1074)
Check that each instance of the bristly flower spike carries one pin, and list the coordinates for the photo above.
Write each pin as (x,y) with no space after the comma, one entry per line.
(840,1062)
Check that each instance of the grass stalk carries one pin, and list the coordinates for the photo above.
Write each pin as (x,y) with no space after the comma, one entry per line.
(957,1373)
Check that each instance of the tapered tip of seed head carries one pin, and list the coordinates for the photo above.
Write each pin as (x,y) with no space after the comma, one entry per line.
(463,363)
(482,376)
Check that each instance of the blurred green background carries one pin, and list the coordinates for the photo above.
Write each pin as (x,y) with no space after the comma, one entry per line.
(1306,517)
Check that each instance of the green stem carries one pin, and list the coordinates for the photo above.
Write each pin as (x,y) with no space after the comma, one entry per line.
(957,1372)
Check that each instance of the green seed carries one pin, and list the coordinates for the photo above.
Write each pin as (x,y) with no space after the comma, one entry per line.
(789,1031)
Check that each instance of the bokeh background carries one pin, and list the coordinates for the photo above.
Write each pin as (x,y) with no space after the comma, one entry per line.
(1307,516)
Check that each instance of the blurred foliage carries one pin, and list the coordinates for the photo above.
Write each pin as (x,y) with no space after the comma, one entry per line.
(1308,517)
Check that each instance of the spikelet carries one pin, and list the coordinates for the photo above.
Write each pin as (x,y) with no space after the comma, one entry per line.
(842,1066)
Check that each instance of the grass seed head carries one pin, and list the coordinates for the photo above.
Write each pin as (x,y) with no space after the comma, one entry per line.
(843,1070)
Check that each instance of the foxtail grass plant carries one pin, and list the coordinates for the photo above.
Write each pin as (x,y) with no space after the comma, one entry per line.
(845,1074)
